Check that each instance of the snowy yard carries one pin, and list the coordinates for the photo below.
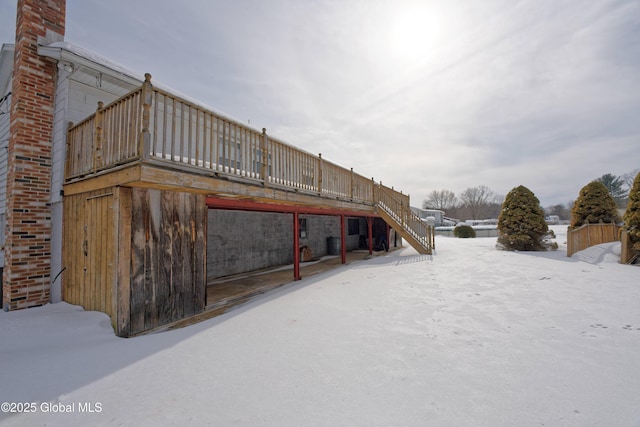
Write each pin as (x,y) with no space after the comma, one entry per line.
(470,336)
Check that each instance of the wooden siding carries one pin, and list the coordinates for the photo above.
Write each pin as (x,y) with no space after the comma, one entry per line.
(591,235)
(90,249)
(168,249)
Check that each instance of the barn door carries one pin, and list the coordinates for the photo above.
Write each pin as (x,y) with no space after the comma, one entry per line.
(99,253)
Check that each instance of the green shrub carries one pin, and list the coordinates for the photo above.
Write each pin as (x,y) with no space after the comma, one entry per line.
(464,232)
(521,224)
(594,205)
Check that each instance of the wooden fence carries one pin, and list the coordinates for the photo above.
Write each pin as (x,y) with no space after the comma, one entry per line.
(590,235)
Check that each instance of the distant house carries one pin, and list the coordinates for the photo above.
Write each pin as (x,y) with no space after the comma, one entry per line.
(127,198)
(552,219)
(434,216)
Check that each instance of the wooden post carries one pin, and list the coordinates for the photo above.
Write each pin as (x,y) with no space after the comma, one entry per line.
(386,231)
(373,191)
(296,246)
(68,155)
(370,233)
(144,144)
(351,189)
(320,166)
(265,157)
(98,137)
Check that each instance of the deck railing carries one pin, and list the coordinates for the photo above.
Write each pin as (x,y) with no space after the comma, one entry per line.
(106,139)
(154,126)
(396,205)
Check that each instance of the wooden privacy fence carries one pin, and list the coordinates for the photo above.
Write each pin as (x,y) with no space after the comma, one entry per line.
(589,235)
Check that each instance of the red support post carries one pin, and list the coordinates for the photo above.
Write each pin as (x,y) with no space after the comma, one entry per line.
(296,246)
(370,233)
(387,231)
(343,242)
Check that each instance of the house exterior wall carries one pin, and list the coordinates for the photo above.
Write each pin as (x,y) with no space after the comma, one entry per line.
(241,241)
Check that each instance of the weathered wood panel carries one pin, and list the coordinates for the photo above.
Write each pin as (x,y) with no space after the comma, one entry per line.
(89,251)
(123,267)
(168,247)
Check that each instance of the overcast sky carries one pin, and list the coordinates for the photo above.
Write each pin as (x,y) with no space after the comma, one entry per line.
(421,95)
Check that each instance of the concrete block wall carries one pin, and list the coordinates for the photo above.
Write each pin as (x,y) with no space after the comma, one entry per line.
(241,241)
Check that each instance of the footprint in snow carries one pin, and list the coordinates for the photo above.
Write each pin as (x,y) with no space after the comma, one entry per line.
(599,325)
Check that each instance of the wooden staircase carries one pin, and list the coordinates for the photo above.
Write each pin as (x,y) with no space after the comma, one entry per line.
(398,214)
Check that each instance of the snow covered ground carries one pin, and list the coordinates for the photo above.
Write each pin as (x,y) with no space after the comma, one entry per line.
(470,336)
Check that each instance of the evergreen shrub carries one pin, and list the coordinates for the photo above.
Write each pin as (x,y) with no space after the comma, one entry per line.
(632,215)
(594,205)
(521,224)
(464,232)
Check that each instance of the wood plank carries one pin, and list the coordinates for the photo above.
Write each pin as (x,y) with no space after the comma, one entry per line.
(110,262)
(188,221)
(137,304)
(121,176)
(200,251)
(123,266)
(165,244)
(178,265)
(150,303)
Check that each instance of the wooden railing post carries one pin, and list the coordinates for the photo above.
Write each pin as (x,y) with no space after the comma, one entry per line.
(144,144)
(68,155)
(320,172)
(373,192)
(352,184)
(97,137)
(264,142)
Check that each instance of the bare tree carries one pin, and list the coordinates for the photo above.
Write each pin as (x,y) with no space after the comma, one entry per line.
(477,200)
(440,199)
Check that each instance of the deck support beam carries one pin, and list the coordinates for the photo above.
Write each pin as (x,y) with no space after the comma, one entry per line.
(343,241)
(370,234)
(296,246)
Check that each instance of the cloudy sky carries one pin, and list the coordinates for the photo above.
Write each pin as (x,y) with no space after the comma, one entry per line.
(421,95)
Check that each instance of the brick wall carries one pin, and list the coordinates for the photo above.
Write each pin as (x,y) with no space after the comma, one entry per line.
(28,233)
